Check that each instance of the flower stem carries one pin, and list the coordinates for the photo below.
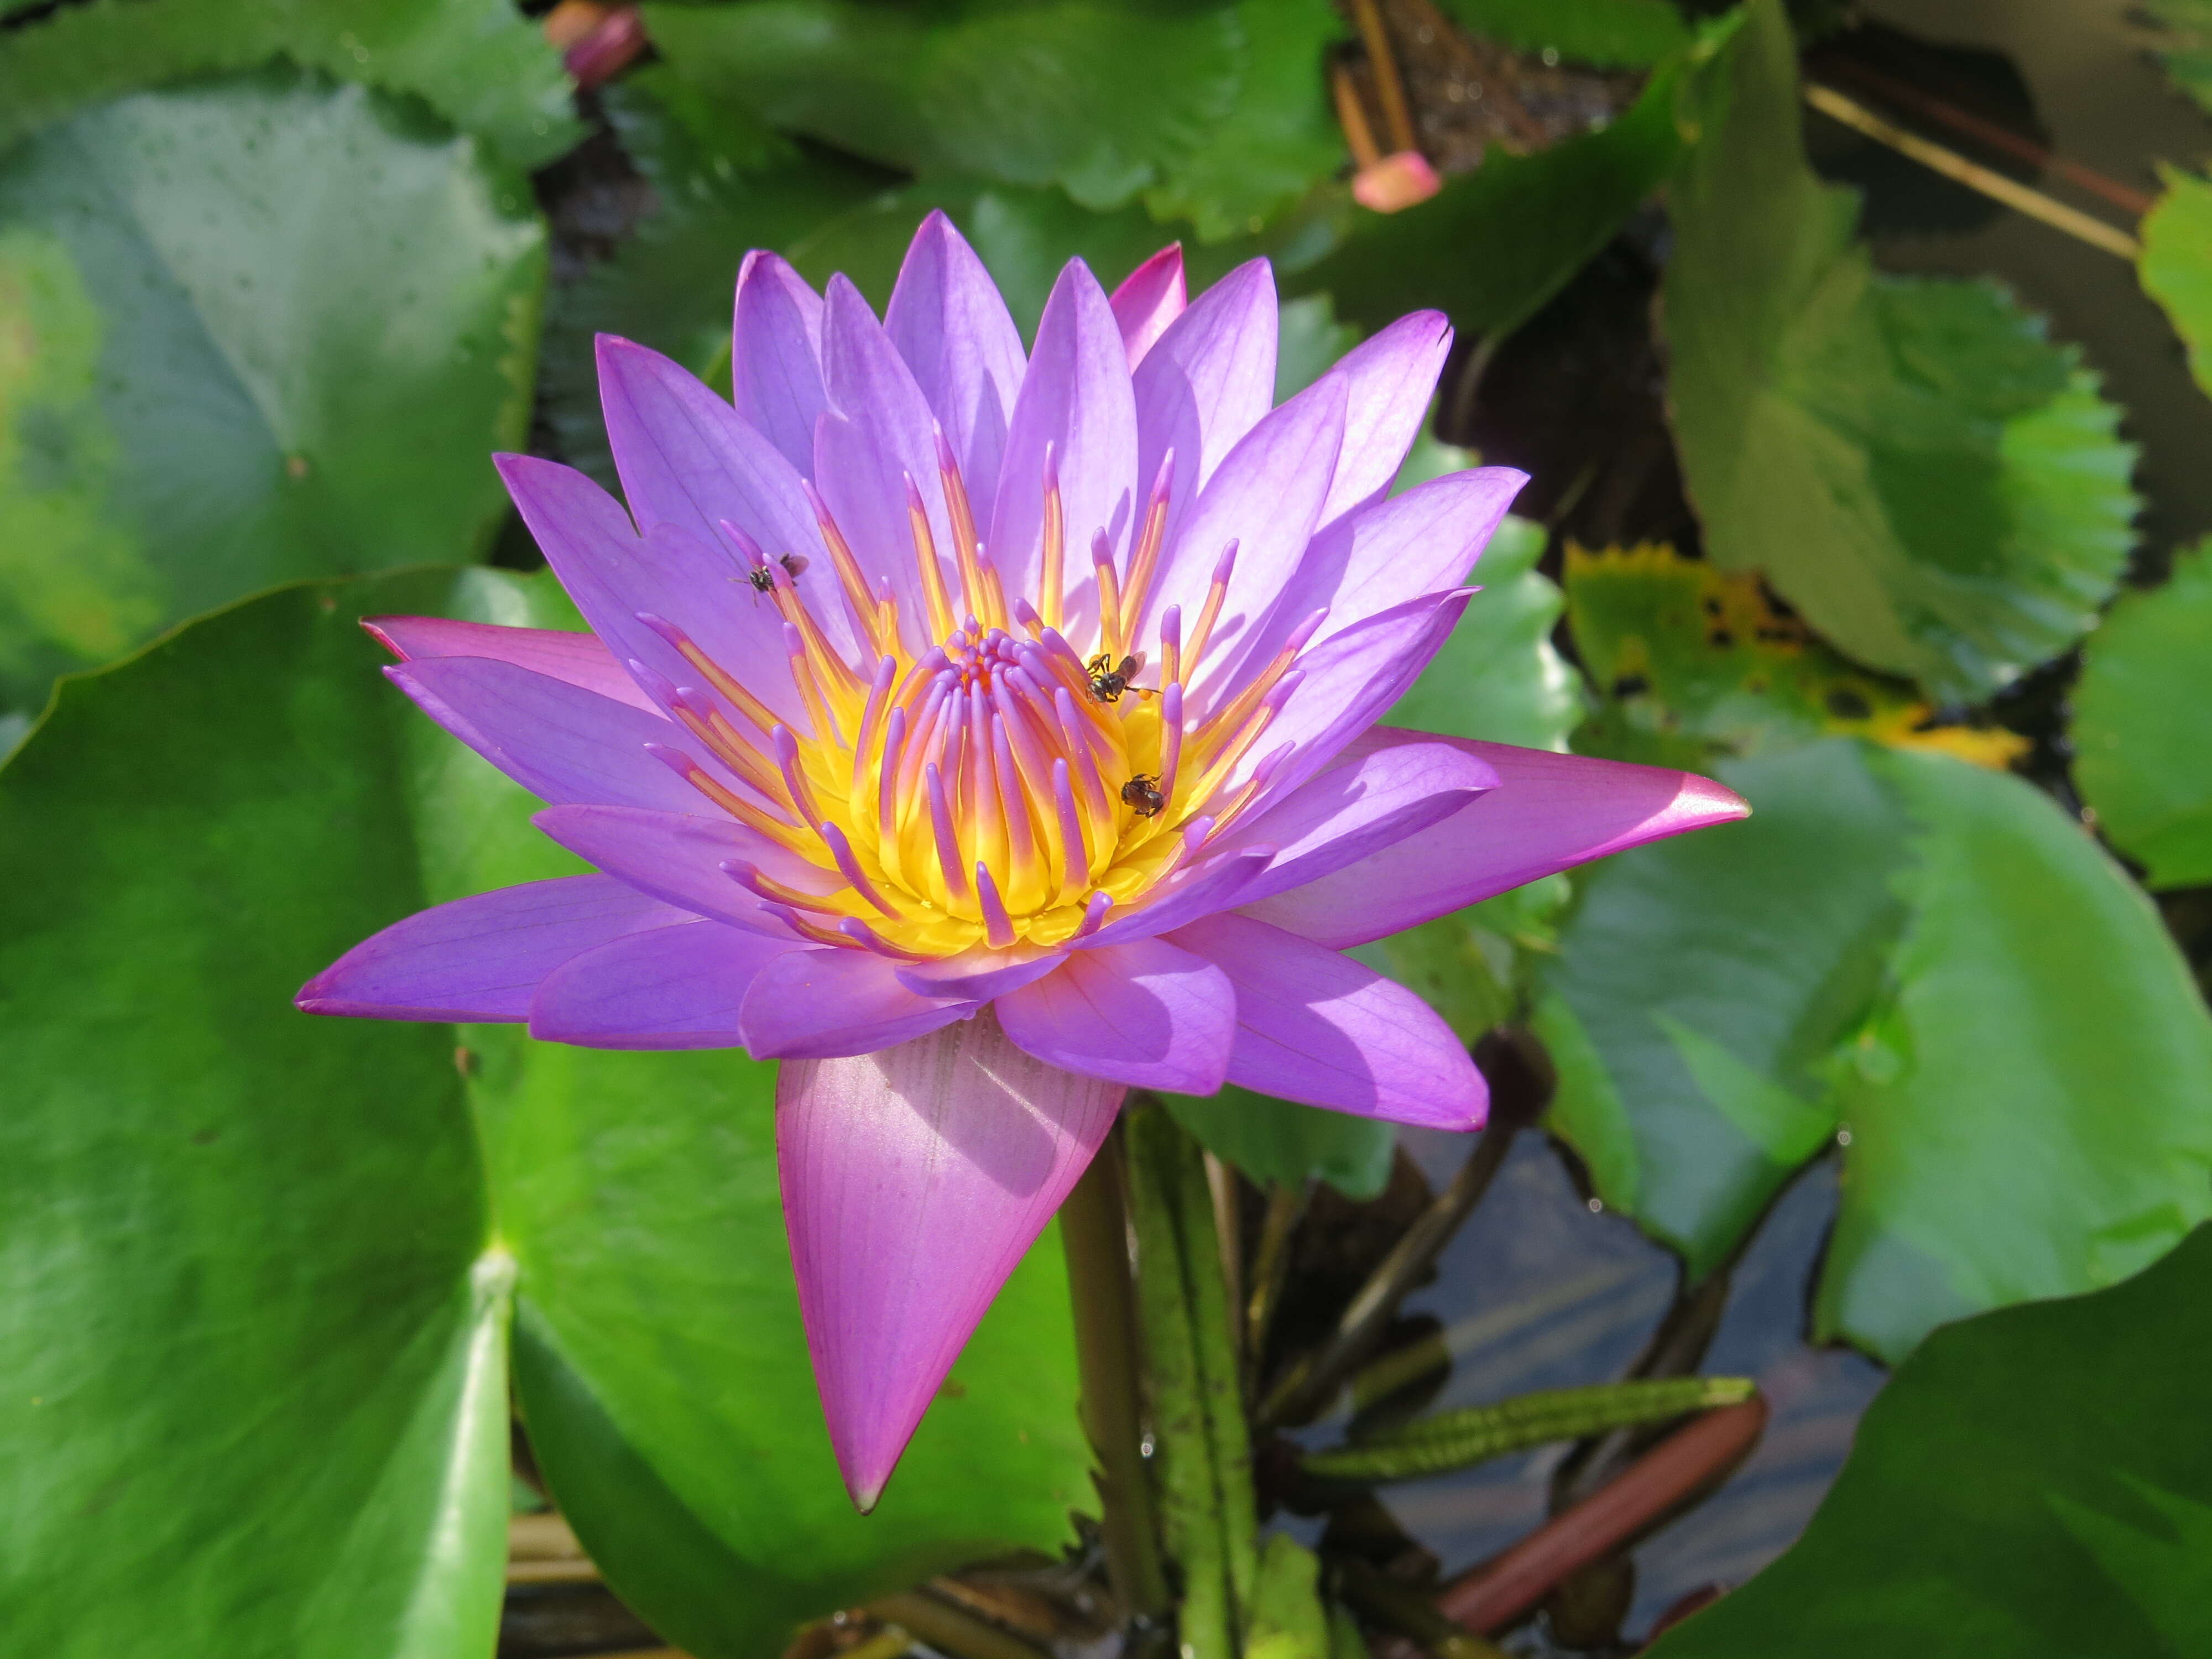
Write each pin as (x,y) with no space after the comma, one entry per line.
(1094,1232)
(1204,1452)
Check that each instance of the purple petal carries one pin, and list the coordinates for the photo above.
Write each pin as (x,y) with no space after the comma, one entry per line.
(1391,377)
(1267,498)
(482,958)
(824,1004)
(679,857)
(581,659)
(947,320)
(979,975)
(673,987)
(1548,813)
(877,435)
(914,1180)
(561,743)
(1218,884)
(1150,298)
(1319,1028)
(1422,542)
(1205,385)
(1363,803)
(687,459)
(1349,679)
(775,356)
(1142,1012)
(613,576)
(1076,399)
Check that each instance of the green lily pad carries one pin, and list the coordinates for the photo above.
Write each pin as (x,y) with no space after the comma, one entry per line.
(1926,962)
(267,328)
(2176,266)
(1279,1142)
(1280,136)
(2032,1482)
(1931,482)
(323,1281)
(2142,748)
(480,64)
(1101,98)
(255,1355)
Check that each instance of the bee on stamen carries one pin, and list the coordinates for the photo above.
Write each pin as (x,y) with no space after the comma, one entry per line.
(1141,795)
(763,579)
(1109,681)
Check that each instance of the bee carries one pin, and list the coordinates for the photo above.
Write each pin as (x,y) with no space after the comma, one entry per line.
(1109,681)
(1141,795)
(763,581)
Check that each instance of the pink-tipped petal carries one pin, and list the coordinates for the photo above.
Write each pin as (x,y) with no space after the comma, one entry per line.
(1549,812)
(876,436)
(581,659)
(1218,882)
(679,858)
(674,988)
(775,356)
(1319,1028)
(947,320)
(1361,804)
(1267,496)
(687,459)
(613,576)
(1391,377)
(980,974)
(1075,398)
(1207,383)
(562,743)
(1425,541)
(1141,1013)
(482,958)
(1150,298)
(824,1004)
(914,1180)
(1351,678)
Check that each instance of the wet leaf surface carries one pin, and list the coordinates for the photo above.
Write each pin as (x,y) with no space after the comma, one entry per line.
(2027,1481)
(2142,745)
(270,329)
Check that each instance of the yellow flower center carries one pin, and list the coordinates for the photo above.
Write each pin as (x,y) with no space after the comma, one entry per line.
(1005,786)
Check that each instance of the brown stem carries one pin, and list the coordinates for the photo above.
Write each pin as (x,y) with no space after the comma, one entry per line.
(1488,1598)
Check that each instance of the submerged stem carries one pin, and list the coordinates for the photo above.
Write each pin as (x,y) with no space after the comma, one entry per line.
(1094,1232)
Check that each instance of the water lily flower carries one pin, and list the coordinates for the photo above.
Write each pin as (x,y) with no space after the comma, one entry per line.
(983,733)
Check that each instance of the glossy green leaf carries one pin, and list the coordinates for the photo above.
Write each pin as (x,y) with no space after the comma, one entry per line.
(1925,960)
(1101,98)
(1476,967)
(1281,1142)
(480,64)
(1931,482)
(254,1362)
(1536,219)
(1498,678)
(1605,34)
(246,357)
(2033,1482)
(1278,138)
(2176,266)
(662,1367)
(2142,743)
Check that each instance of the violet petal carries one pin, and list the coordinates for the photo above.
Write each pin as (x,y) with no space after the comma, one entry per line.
(823,1004)
(948,324)
(673,987)
(1150,298)
(581,659)
(1142,1012)
(775,356)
